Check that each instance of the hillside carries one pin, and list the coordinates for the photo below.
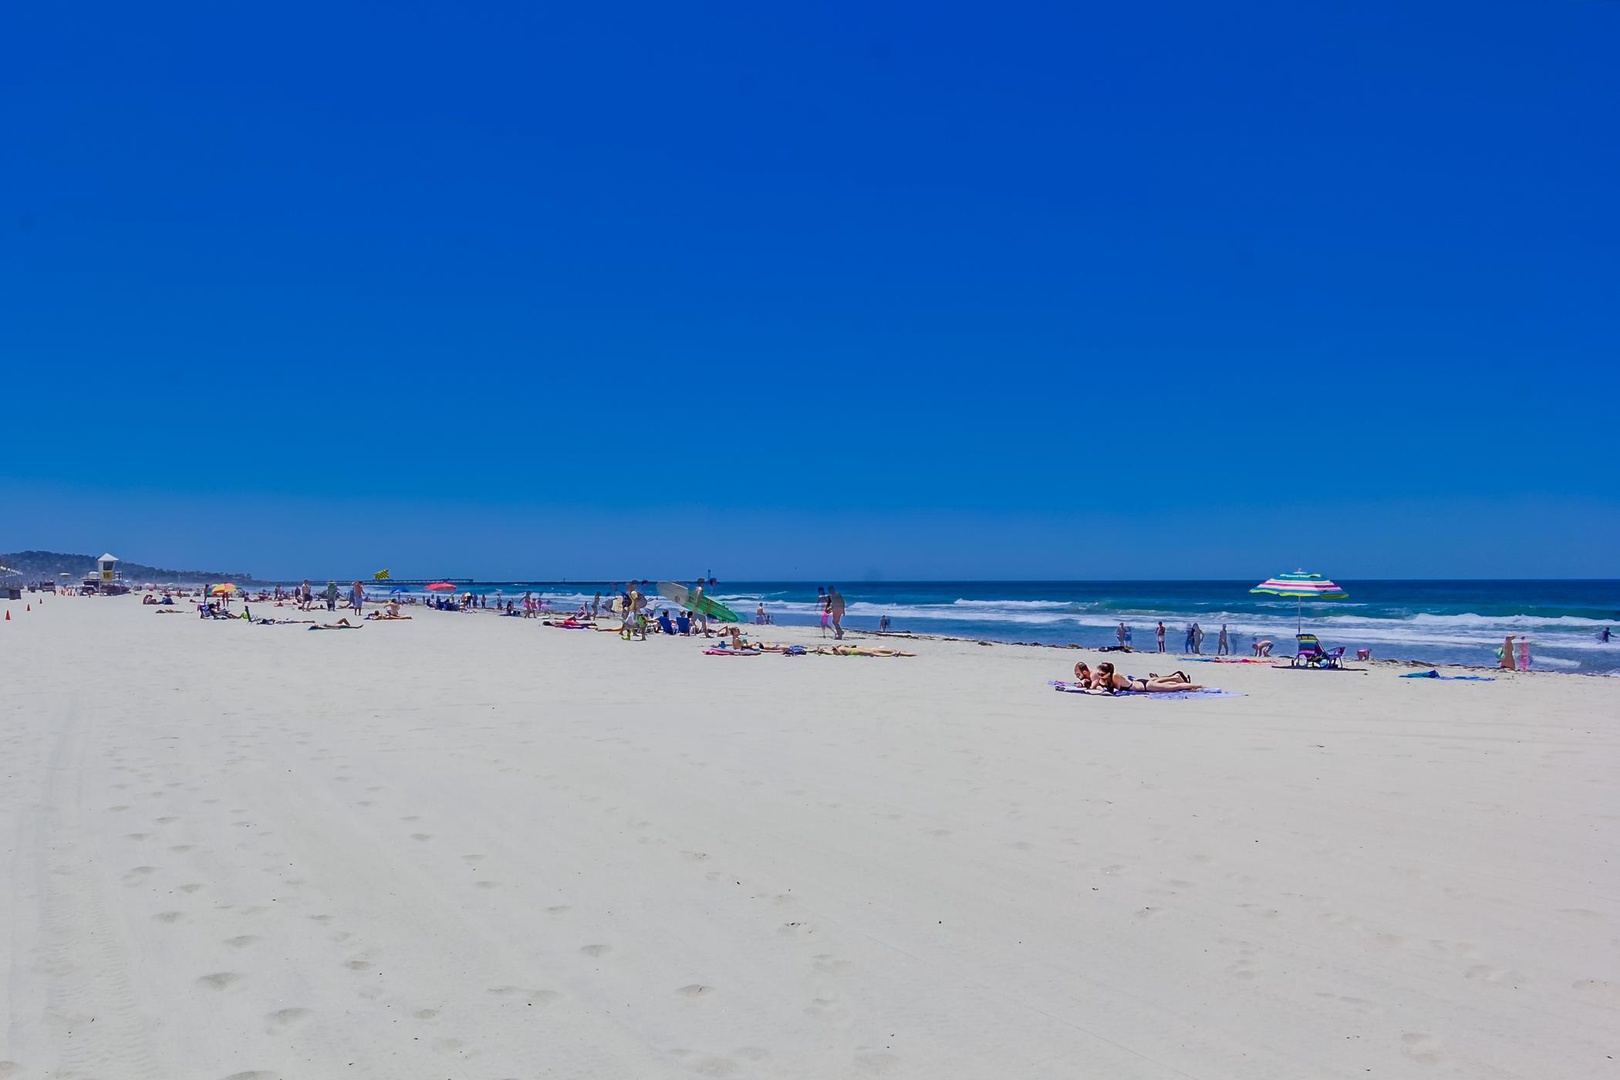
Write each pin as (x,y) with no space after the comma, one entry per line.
(46,565)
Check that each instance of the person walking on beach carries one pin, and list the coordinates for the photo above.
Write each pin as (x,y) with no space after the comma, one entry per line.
(1198,639)
(1507,654)
(1160,632)
(357,596)
(835,608)
(331,595)
(1221,648)
(304,596)
(821,603)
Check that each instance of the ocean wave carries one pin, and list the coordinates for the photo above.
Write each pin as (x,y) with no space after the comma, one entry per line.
(1019,605)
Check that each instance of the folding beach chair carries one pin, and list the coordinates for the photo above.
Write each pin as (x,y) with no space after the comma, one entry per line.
(1311,654)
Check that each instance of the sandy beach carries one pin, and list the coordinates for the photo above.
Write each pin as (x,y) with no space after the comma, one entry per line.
(472,847)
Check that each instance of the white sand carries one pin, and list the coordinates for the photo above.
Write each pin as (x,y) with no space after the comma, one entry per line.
(465,846)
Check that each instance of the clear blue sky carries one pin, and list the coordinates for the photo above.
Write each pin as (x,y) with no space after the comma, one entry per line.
(838,289)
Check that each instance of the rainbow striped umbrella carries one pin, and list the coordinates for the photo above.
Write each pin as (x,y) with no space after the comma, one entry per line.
(1302,587)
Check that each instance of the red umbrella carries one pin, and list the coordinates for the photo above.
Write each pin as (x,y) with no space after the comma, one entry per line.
(442,586)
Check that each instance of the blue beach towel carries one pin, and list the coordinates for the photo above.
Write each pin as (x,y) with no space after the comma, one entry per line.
(1448,678)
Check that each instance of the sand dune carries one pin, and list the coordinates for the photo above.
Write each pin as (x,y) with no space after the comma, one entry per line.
(463,846)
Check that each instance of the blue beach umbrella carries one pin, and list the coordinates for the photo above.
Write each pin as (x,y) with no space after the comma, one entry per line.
(1301,586)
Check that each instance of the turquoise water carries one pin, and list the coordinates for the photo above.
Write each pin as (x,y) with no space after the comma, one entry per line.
(1457,622)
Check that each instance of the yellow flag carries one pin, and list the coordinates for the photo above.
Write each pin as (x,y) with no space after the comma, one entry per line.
(381,575)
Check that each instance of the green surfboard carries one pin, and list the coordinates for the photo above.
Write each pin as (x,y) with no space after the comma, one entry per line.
(680,594)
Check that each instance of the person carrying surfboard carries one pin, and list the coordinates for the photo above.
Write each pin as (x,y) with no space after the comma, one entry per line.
(700,610)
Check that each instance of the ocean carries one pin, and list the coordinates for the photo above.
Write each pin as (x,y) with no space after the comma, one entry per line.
(1440,622)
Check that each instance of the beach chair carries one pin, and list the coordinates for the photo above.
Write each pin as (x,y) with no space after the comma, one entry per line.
(1311,654)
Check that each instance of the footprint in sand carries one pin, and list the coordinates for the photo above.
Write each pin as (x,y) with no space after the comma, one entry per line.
(242,941)
(826,1009)
(558,909)
(695,990)
(136,835)
(830,964)
(1603,988)
(168,916)
(421,836)
(193,887)
(282,1019)
(426,1014)
(1420,1047)
(877,1064)
(181,849)
(595,950)
(359,965)
(220,980)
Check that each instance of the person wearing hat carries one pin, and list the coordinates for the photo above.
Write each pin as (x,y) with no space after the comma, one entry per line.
(331,595)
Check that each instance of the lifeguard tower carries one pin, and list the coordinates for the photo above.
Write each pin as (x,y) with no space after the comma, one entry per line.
(108,579)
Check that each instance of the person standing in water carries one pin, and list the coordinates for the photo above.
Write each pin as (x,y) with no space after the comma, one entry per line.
(1119,634)
(1160,632)
(1221,648)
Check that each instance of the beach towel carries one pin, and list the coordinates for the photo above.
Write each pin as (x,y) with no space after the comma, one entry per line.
(731,652)
(1448,678)
(1172,695)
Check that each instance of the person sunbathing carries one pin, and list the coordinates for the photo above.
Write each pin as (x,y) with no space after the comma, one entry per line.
(1113,682)
(857,650)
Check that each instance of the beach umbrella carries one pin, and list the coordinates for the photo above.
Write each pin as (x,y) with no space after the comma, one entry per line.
(1302,587)
(223,589)
(442,586)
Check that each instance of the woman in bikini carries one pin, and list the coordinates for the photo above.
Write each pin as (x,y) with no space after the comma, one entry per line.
(1108,679)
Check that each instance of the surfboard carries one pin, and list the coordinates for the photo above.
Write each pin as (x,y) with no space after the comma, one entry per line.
(680,594)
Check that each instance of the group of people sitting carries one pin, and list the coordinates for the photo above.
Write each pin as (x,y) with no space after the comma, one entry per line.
(1106,679)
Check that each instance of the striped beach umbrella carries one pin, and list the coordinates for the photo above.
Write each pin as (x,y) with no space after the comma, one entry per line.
(1302,587)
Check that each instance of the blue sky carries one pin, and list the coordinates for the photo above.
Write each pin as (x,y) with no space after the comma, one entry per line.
(1170,290)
